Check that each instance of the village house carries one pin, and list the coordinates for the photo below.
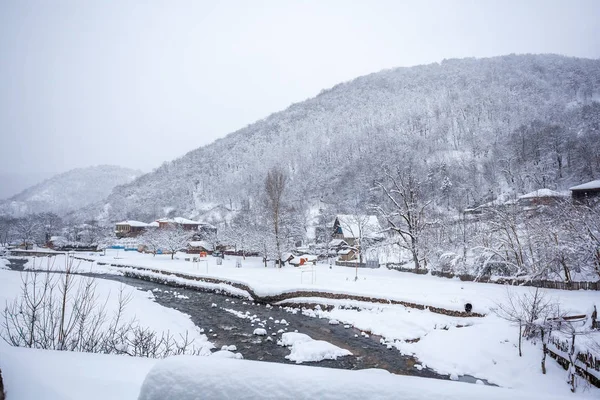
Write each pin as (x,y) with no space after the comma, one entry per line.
(199,247)
(586,192)
(541,197)
(186,224)
(352,228)
(130,228)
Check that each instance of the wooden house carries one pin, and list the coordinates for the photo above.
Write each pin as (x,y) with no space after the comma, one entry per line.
(186,224)
(586,192)
(199,247)
(540,197)
(130,228)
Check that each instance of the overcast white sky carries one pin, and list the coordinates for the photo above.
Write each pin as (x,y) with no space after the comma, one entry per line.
(136,83)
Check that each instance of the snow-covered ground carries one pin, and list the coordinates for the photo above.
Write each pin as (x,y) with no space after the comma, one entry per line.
(141,307)
(423,289)
(46,374)
(64,375)
(481,347)
(192,378)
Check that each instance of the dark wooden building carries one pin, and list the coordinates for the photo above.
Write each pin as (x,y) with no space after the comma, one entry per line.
(586,192)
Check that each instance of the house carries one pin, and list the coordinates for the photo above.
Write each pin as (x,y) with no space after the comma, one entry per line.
(199,247)
(348,254)
(336,245)
(185,223)
(351,228)
(589,191)
(129,228)
(540,197)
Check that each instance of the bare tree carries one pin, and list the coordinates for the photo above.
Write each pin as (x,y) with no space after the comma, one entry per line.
(50,224)
(174,239)
(404,210)
(27,229)
(7,228)
(152,239)
(525,311)
(275,188)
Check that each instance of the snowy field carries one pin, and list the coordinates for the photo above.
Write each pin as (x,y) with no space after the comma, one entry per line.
(480,347)
(451,294)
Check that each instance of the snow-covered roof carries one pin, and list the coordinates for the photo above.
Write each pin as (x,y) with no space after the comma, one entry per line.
(588,185)
(199,243)
(542,193)
(351,225)
(153,224)
(179,220)
(345,251)
(337,243)
(133,223)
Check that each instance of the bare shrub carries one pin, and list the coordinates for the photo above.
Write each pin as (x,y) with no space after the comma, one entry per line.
(57,312)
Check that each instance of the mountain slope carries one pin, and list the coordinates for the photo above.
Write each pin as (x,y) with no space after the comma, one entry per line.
(481,124)
(69,191)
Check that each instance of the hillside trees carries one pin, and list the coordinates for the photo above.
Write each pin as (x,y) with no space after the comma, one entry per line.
(464,113)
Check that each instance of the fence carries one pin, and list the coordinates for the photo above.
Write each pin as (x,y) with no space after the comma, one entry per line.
(587,364)
(368,264)
(502,281)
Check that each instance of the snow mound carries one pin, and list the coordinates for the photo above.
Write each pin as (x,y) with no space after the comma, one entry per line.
(291,338)
(260,332)
(306,349)
(227,354)
(4,263)
(316,350)
(191,378)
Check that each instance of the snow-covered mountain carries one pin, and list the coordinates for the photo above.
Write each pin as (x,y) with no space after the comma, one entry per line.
(69,191)
(480,126)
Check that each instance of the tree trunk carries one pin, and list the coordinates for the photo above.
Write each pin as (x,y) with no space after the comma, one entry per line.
(520,339)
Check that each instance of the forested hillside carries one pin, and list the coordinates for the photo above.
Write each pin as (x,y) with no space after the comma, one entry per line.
(476,127)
